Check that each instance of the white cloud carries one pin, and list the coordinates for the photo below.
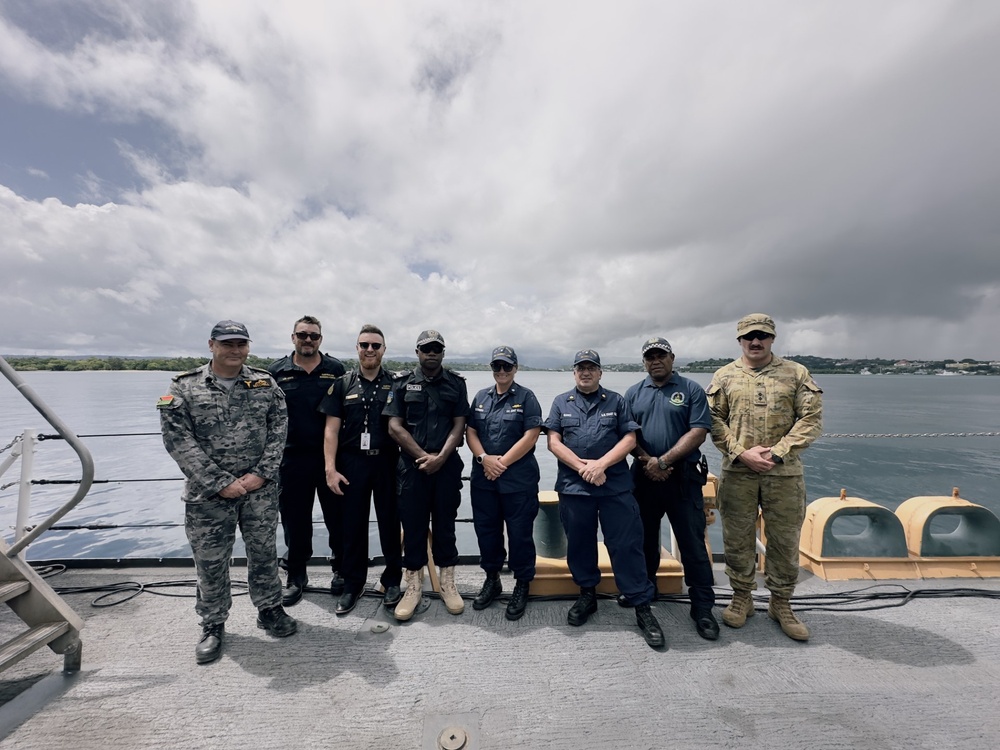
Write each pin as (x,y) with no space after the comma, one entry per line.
(548,176)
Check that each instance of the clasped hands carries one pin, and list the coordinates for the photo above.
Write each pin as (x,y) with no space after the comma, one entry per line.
(240,487)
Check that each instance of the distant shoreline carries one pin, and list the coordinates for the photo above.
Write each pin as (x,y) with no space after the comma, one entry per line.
(816,365)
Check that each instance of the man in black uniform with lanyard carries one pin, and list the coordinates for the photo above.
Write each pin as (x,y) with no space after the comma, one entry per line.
(305,375)
(427,416)
(361,464)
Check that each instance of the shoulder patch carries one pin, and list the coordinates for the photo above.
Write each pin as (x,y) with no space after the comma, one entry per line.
(165,401)
(402,374)
(187,374)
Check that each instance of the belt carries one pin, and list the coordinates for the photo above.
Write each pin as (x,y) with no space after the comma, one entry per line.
(370,452)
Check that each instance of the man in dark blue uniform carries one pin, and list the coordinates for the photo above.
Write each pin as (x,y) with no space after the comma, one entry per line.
(305,375)
(361,464)
(503,427)
(674,420)
(427,414)
(591,431)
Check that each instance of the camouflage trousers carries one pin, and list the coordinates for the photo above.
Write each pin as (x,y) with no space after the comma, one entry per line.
(211,530)
(782,503)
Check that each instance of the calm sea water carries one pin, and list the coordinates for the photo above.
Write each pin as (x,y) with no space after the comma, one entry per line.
(147,516)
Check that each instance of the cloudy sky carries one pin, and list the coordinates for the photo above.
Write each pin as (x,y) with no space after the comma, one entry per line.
(546,175)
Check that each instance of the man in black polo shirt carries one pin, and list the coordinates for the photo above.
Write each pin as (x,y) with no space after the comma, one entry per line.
(361,464)
(305,375)
(427,416)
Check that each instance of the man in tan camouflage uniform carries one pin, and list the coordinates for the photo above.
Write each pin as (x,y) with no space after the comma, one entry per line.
(224,424)
(765,411)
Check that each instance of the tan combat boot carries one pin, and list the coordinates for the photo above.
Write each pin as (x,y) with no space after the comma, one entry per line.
(780,610)
(739,609)
(449,594)
(411,597)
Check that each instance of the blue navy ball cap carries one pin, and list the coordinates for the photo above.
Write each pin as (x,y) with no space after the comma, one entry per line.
(587,355)
(504,354)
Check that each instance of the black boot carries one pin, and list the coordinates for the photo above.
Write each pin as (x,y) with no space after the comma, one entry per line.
(518,600)
(492,588)
(705,623)
(585,606)
(651,630)
(276,622)
(209,648)
(293,590)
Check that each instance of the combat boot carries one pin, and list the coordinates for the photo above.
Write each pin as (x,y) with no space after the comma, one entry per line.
(739,609)
(209,648)
(449,593)
(584,607)
(276,622)
(492,588)
(780,610)
(518,600)
(411,597)
(651,629)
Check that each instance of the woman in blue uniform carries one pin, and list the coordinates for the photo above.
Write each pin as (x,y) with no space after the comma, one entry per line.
(504,425)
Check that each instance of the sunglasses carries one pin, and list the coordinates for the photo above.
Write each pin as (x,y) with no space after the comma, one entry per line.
(431,348)
(757,336)
(373,345)
(498,366)
(303,335)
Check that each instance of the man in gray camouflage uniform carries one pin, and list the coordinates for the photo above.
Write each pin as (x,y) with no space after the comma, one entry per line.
(224,424)
(765,411)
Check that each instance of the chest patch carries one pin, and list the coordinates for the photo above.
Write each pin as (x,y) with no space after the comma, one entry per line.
(677,398)
(414,387)
(262,383)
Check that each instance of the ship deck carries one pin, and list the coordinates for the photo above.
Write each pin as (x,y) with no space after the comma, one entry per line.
(922,675)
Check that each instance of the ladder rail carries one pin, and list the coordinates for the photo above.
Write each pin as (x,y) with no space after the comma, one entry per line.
(86,460)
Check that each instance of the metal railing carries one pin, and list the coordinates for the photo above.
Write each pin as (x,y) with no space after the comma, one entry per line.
(86,465)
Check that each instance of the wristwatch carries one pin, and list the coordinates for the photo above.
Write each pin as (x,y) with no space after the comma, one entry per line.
(663,465)
(480,457)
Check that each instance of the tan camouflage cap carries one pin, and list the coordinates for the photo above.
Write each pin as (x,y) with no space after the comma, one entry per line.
(755,322)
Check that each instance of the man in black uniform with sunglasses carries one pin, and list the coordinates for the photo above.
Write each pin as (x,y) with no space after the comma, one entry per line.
(361,467)
(305,376)
(427,413)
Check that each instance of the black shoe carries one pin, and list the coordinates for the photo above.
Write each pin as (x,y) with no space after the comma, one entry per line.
(651,630)
(293,591)
(276,622)
(336,584)
(585,606)
(706,624)
(623,601)
(518,600)
(348,601)
(391,597)
(209,648)
(492,588)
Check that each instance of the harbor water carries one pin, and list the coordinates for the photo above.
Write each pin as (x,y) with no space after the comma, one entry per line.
(136,500)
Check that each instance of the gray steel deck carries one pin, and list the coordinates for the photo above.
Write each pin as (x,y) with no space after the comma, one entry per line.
(925,675)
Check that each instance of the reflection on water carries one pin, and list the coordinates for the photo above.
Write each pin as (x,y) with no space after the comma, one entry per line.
(148,516)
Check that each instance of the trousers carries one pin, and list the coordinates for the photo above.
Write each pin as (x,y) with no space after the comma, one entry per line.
(211,530)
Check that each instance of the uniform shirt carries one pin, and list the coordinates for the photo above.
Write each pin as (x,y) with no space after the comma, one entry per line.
(216,436)
(778,405)
(359,402)
(500,420)
(666,413)
(590,428)
(303,392)
(428,407)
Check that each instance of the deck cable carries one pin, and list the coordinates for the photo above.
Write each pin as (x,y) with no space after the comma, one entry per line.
(869,598)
